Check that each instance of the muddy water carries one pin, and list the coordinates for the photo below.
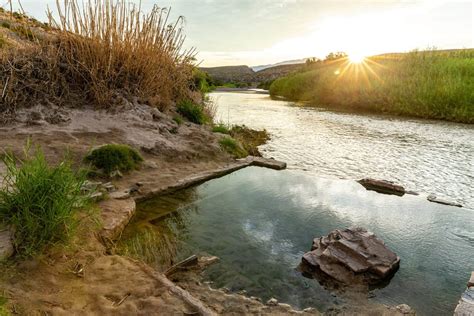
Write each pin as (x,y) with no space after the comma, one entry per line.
(425,156)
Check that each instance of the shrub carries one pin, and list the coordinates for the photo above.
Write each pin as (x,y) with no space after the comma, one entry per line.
(113,157)
(193,112)
(220,128)
(231,146)
(39,201)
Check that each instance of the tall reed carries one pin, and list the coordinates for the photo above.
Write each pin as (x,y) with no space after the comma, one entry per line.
(102,50)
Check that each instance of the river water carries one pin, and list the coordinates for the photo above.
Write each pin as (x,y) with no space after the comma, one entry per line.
(260,222)
(422,155)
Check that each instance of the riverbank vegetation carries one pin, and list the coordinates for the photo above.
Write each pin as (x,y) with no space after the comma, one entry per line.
(242,141)
(428,84)
(95,55)
(39,201)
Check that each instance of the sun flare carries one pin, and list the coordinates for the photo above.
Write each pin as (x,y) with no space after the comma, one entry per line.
(356,58)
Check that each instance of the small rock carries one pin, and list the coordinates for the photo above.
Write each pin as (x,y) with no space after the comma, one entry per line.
(242,292)
(97,195)
(433,198)
(309,310)
(120,195)
(149,164)
(116,174)
(272,302)
(6,244)
(134,189)
(404,309)
(109,187)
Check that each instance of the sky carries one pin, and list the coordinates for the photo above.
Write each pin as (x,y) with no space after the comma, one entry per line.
(256,32)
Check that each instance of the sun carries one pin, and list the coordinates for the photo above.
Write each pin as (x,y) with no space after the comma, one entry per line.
(356,58)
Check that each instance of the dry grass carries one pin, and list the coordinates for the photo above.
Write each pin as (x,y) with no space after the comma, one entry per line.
(98,52)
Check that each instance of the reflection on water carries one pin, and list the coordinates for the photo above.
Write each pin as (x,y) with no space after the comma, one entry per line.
(260,222)
(425,156)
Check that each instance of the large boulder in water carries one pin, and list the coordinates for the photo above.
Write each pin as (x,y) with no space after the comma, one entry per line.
(351,257)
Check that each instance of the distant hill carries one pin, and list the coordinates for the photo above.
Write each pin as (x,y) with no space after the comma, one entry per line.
(226,74)
(287,62)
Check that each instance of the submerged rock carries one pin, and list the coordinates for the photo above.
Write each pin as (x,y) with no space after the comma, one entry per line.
(382,186)
(350,257)
(465,306)
(433,198)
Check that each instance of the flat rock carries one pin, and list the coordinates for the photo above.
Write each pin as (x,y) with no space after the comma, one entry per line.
(264,162)
(351,256)
(433,198)
(6,244)
(382,186)
(471,280)
(115,216)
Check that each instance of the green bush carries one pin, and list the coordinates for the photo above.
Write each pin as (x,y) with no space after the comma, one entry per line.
(193,112)
(114,157)
(233,147)
(39,201)
(3,309)
(221,128)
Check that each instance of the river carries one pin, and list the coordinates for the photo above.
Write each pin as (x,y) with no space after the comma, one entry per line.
(422,155)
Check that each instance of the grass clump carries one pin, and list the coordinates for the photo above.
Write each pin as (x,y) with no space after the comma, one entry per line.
(178,119)
(249,139)
(193,112)
(6,24)
(40,201)
(233,147)
(114,157)
(430,84)
(221,128)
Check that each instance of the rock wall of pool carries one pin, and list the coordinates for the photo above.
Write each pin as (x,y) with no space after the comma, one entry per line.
(260,222)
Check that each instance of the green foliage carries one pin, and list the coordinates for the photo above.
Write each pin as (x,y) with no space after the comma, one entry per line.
(113,157)
(431,84)
(40,201)
(6,24)
(193,112)
(3,309)
(233,147)
(221,128)
(265,85)
(249,139)
(202,81)
(178,119)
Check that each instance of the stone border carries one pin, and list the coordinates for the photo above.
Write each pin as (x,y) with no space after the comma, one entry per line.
(213,174)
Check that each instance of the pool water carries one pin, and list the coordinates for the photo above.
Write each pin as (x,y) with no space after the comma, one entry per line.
(260,222)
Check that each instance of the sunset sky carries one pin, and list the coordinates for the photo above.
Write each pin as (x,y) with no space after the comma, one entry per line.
(254,32)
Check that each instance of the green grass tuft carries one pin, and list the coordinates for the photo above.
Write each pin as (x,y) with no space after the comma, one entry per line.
(221,128)
(40,201)
(6,24)
(233,147)
(178,119)
(3,309)
(195,113)
(113,157)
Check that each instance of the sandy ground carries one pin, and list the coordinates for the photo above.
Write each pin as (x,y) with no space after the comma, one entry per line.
(82,278)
